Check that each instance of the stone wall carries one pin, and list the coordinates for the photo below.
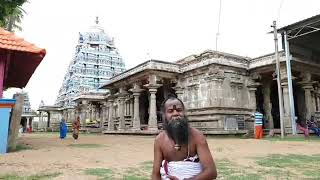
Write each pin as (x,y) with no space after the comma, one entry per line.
(215,93)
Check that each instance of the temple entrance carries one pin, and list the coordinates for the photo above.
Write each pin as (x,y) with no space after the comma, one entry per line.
(23,123)
(299,101)
(163,92)
(144,107)
(274,98)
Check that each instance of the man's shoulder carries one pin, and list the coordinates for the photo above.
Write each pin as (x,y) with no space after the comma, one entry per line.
(197,135)
(160,136)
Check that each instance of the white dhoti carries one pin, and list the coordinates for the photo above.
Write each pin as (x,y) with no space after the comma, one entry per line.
(180,169)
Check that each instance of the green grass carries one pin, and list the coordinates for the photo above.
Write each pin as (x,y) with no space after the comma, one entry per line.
(102,173)
(228,170)
(147,166)
(134,177)
(275,166)
(86,145)
(289,160)
(41,176)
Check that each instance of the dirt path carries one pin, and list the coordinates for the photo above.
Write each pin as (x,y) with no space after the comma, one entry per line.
(50,154)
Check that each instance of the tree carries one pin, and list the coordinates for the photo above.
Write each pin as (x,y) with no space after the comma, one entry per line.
(11,14)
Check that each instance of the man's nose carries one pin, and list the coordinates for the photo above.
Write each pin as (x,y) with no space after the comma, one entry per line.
(176,113)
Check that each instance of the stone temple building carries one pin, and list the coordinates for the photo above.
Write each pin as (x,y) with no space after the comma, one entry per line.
(28,114)
(221,91)
(95,61)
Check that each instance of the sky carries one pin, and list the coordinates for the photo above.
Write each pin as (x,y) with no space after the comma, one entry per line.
(166,30)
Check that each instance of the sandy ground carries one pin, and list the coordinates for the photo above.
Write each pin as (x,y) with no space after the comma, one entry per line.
(50,154)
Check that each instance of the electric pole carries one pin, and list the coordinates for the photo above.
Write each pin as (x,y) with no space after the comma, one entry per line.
(278,78)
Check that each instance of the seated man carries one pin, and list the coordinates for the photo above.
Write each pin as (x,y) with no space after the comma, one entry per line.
(301,127)
(313,126)
(180,151)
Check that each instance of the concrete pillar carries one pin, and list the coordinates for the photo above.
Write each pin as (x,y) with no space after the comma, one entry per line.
(110,118)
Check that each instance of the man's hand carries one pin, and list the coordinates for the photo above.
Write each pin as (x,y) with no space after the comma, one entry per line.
(172,177)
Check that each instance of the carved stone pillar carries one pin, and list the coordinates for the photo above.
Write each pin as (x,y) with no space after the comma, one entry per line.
(267,104)
(121,113)
(179,92)
(136,114)
(84,113)
(318,99)
(308,99)
(110,118)
(40,126)
(286,108)
(103,115)
(28,123)
(252,95)
(152,124)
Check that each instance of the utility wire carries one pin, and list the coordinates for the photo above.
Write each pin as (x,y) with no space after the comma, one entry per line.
(279,11)
(218,31)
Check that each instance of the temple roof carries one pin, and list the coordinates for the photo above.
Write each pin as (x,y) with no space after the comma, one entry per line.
(9,41)
(22,58)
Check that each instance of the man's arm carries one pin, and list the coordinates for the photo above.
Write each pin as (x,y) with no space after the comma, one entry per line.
(157,160)
(209,168)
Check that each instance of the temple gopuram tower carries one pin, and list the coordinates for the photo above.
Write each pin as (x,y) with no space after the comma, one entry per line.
(95,61)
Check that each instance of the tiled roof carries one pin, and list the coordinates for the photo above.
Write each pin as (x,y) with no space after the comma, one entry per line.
(10,41)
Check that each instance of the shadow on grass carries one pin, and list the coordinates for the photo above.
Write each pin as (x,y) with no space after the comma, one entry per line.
(102,173)
(21,147)
(41,176)
(86,145)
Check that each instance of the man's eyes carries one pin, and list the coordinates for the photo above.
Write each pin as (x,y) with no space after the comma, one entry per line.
(171,110)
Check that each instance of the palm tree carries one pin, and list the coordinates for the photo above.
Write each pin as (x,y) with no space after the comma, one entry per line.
(11,14)
(14,20)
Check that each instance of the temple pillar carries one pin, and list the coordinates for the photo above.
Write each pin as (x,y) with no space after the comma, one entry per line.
(318,100)
(152,123)
(179,92)
(40,120)
(252,95)
(103,115)
(121,108)
(308,99)
(286,108)
(136,109)
(121,113)
(267,106)
(110,118)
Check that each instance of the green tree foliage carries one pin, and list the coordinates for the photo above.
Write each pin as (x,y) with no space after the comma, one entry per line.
(11,14)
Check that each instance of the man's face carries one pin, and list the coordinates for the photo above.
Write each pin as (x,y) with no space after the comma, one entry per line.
(176,123)
(173,110)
